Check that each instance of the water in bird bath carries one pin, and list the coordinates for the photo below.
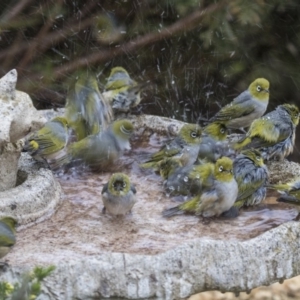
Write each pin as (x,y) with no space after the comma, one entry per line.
(79,228)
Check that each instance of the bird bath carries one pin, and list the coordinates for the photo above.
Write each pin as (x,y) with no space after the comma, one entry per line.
(27,192)
(144,255)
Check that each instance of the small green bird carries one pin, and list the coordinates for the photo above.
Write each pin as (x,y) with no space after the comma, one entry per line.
(168,166)
(217,198)
(290,193)
(185,146)
(118,195)
(289,190)
(188,180)
(216,130)
(106,29)
(101,150)
(273,134)
(86,109)
(213,143)
(251,175)
(50,141)
(245,108)
(121,91)
(7,235)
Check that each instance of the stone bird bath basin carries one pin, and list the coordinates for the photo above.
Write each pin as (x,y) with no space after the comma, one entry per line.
(142,256)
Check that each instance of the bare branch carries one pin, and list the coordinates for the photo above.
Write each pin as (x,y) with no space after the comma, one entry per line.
(36,44)
(12,13)
(185,24)
(54,37)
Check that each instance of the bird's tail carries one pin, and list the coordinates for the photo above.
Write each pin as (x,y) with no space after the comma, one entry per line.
(60,162)
(241,143)
(288,199)
(170,212)
(238,204)
(233,212)
(150,165)
(277,187)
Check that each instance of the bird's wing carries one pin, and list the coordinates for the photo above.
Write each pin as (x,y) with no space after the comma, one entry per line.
(170,149)
(233,111)
(118,81)
(245,190)
(52,138)
(208,200)
(267,133)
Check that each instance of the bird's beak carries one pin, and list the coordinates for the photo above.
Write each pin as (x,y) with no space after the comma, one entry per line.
(266,91)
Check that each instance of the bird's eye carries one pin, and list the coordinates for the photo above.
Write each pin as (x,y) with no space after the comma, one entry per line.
(124,184)
(258,158)
(222,130)
(221,168)
(193,134)
(258,88)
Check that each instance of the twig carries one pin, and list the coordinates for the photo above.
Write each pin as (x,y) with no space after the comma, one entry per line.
(185,24)
(54,37)
(12,13)
(36,44)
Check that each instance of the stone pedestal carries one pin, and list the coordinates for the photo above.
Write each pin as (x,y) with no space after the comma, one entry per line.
(18,117)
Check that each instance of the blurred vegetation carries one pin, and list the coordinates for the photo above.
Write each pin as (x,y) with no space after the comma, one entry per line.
(29,288)
(197,55)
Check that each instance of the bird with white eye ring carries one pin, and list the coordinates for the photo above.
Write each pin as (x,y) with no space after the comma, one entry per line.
(246,107)
(185,147)
(118,195)
(273,134)
(218,194)
(213,143)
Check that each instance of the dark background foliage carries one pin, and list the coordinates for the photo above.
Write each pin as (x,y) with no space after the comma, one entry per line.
(196,55)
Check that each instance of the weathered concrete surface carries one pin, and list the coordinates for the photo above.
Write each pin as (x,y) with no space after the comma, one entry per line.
(196,266)
(35,197)
(9,157)
(86,272)
(17,113)
(18,117)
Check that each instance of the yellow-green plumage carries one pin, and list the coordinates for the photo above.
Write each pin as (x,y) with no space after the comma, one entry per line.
(217,197)
(290,193)
(7,235)
(106,29)
(99,150)
(187,180)
(248,106)
(47,142)
(121,91)
(291,189)
(86,109)
(185,146)
(251,175)
(216,130)
(118,195)
(168,166)
(273,134)
(213,143)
